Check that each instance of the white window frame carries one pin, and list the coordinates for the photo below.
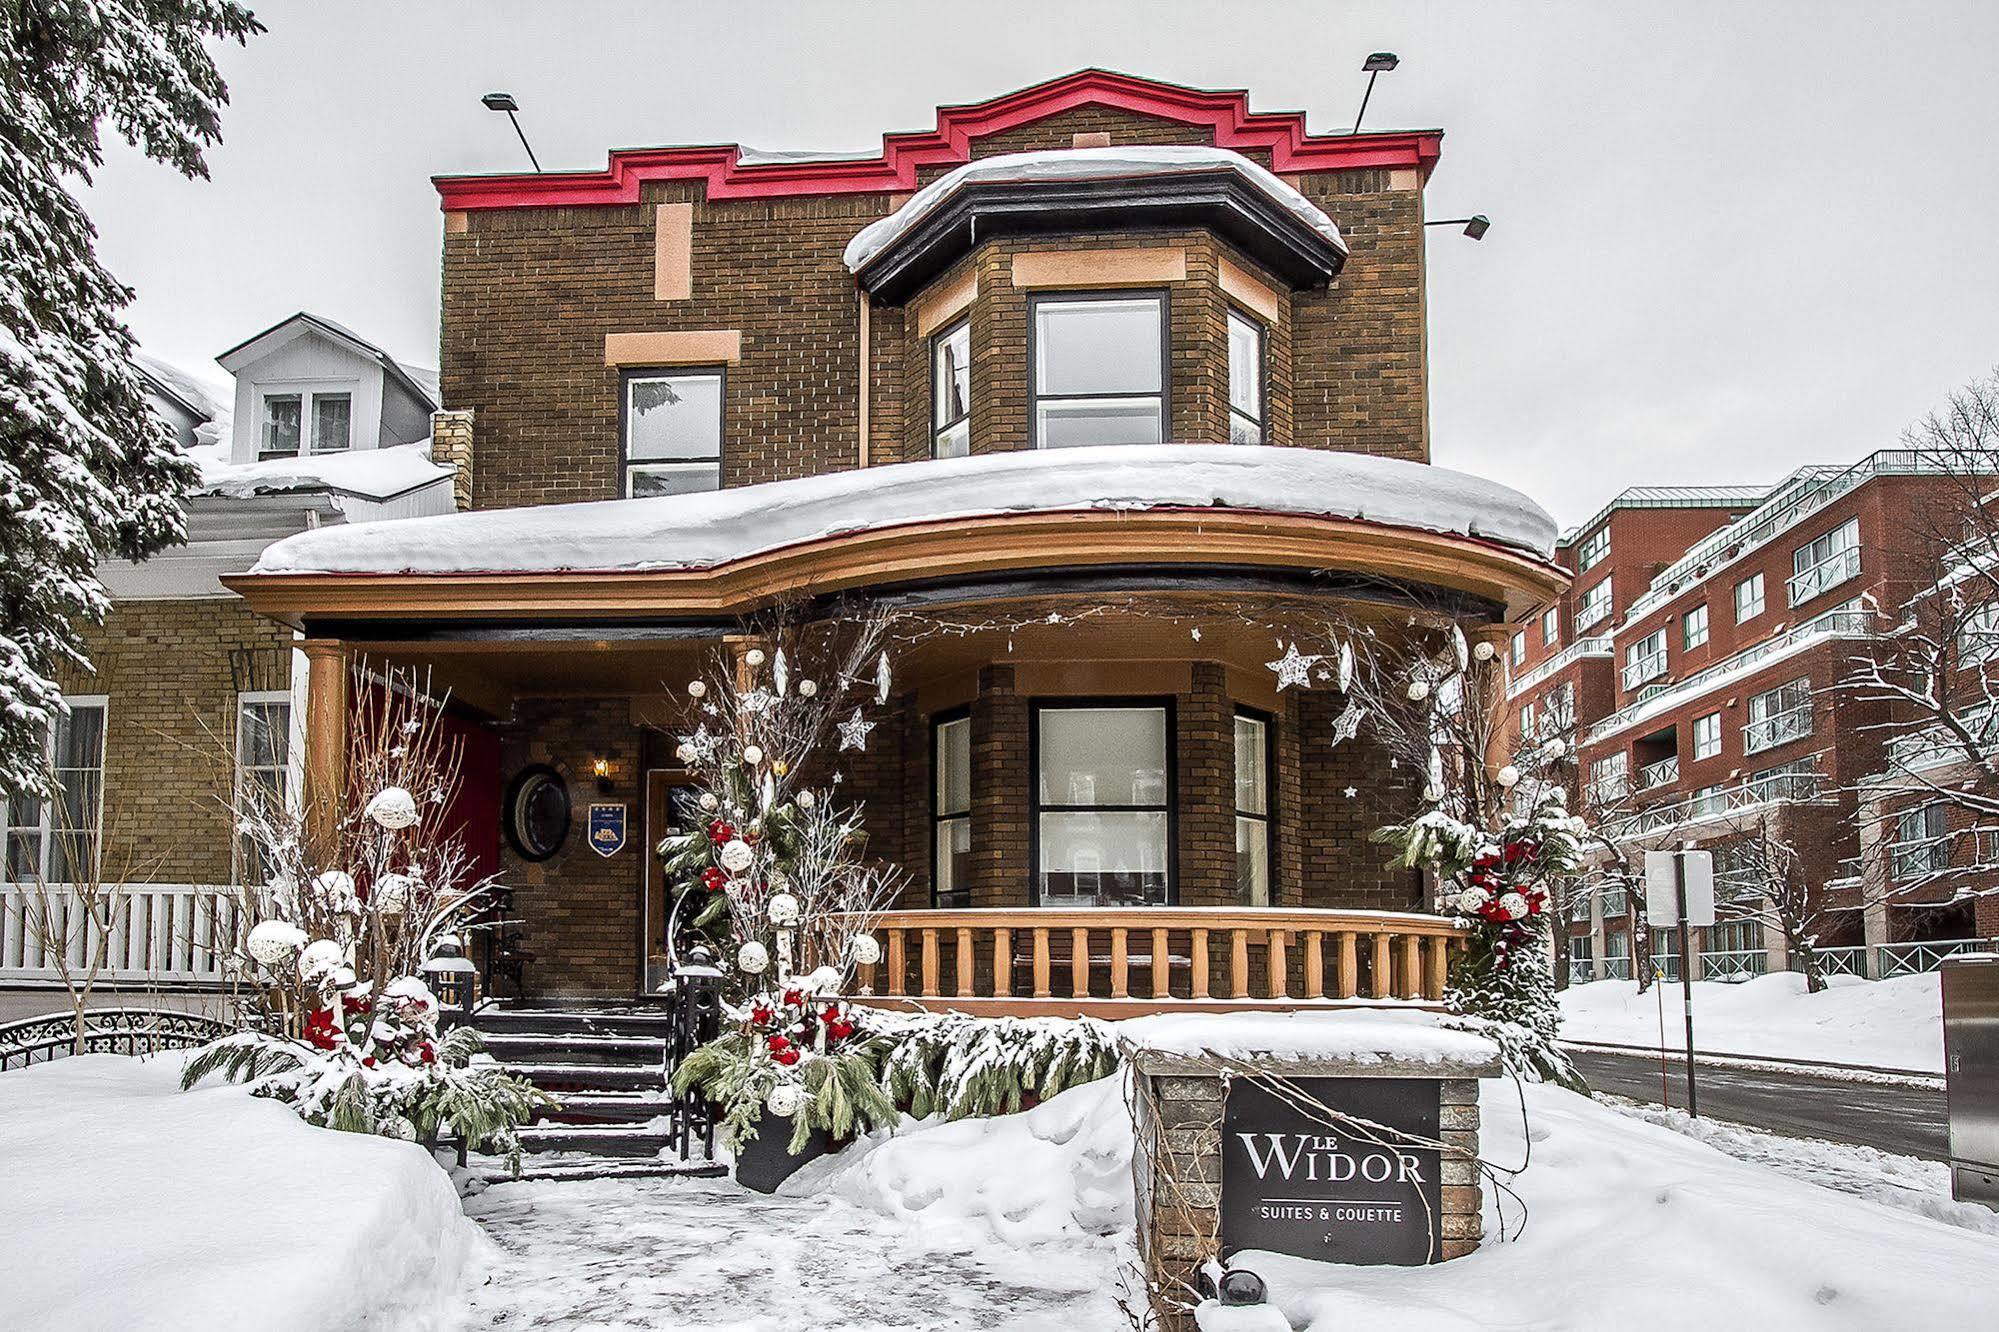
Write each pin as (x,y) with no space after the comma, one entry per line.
(1593,550)
(1824,562)
(1978,636)
(1774,719)
(1645,659)
(1517,647)
(1551,626)
(1527,720)
(1707,736)
(1610,777)
(1749,598)
(1928,850)
(1037,396)
(292,766)
(46,827)
(307,391)
(1694,627)
(1254,826)
(946,818)
(1245,427)
(942,422)
(627,464)
(1591,608)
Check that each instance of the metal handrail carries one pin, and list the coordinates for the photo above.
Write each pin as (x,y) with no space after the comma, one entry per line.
(1827,574)
(1599,646)
(1663,773)
(127,1031)
(1648,667)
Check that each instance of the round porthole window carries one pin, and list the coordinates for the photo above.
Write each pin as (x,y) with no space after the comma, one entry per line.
(538,812)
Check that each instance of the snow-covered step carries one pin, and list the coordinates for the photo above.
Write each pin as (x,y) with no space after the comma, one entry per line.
(580,1166)
(511,1048)
(654,1021)
(618,1107)
(597,1139)
(571,1079)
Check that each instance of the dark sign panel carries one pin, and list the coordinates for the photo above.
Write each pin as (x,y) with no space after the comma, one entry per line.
(607,829)
(1293,1184)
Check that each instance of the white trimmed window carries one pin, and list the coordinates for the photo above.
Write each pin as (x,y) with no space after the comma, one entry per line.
(951,812)
(1645,659)
(1099,370)
(1978,636)
(311,418)
(1707,735)
(1518,647)
(1594,606)
(951,391)
(1797,780)
(1246,425)
(672,432)
(1749,598)
(263,769)
(56,840)
(1778,716)
(1558,705)
(1527,720)
(1551,626)
(1693,627)
(1824,563)
(1593,549)
(1609,778)
(1252,809)
(1921,846)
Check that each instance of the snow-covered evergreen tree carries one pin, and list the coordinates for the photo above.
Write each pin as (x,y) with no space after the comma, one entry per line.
(87,469)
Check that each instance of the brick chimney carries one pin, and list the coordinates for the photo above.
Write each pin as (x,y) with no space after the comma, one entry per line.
(451,446)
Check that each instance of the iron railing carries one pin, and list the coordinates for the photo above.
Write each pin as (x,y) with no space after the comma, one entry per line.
(126,1031)
(1663,773)
(1733,964)
(1583,647)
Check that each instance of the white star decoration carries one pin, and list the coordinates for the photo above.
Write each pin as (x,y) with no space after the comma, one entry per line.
(854,732)
(1351,792)
(1347,725)
(1293,668)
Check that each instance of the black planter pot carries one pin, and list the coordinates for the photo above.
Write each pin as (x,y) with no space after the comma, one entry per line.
(765,1161)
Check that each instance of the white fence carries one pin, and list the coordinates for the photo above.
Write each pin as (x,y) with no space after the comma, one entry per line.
(1741,964)
(177,933)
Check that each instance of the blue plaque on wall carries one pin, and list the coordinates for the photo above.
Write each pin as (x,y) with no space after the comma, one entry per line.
(607,829)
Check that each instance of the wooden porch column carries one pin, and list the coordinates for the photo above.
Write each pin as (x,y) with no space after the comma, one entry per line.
(325,738)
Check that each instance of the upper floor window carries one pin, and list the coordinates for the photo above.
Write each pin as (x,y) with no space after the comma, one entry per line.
(1594,606)
(55,840)
(1593,549)
(1645,659)
(1978,636)
(1921,846)
(672,432)
(1099,370)
(1778,715)
(1527,731)
(1103,805)
(951,391)
(1749,598)
(1825,562)
(1558,705)
(1693,626)
(1551,626)
(951,811)
(283,427)
(1609,778)
(1707,735)
(1245,379)
(1252,809)
(1517,649)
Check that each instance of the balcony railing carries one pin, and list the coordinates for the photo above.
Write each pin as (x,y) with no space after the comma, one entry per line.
(1663,773)
(1114,962)
(1840,623)
(1779,728)
(1795,787)
(1591,613)
(1733,964)
(1574,652)
(1649,667)
(159,933)
(1827,574)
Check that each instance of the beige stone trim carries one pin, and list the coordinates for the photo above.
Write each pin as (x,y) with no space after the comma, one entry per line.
(702,346)
(1404,178)
(941,305)
(673,252)
(1099,139)
(1252,293)
(457,222)
(1100,268)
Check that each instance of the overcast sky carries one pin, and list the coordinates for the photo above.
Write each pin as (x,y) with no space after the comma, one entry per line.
(1727,238)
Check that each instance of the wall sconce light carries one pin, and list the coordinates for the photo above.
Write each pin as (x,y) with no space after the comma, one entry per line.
(601,769)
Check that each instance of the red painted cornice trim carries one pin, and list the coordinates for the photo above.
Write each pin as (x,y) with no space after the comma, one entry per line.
(1235,126)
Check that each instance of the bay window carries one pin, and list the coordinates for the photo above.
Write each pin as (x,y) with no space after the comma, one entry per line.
(1245,379)
(1102,804)
(672,432)
(1098,367)
(951,811)
(1252,809)
(54,839)
(951,391)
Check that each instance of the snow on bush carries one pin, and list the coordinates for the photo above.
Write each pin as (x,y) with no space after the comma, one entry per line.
(130,1205)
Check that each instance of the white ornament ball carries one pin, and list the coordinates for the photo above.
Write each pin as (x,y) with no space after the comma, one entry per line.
(697,688)
(782,910)
(1471,899)
(275,941)
(1481,651)
(806,800)
(1418,690)
(1514,905)
(807,688)
(320,959)
(392,808)
(1433,794)
(1508,776)
(334,890)
(753,754)
(752,958)
(865,949)
(684,752)
(737,856)
(392,894)
(709,802)
(754,657)
(785,1100)
(1555,748)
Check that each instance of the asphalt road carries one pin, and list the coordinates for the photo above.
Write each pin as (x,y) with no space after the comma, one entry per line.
(1906,1120)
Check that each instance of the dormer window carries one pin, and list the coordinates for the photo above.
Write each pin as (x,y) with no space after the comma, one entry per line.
(951,391)
(332,421)
(1245,379)
(1099,370)
(285,414)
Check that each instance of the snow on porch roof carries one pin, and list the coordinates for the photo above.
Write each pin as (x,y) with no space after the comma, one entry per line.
(1067,164)
(702,531)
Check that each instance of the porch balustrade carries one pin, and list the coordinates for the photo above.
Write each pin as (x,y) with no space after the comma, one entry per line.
(1123,962)
(159,933)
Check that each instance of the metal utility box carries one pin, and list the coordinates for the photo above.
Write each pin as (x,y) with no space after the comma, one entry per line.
(1971,1074)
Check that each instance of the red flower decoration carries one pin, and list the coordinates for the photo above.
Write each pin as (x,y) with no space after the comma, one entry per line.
(426,1053)
(793,998)
(368,1062)
(838,1029)
(787,1057)
(720,831)
(320,1031)
(761,1014)
(713,878)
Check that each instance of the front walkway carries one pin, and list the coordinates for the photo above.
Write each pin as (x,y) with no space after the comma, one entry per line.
(706,1254)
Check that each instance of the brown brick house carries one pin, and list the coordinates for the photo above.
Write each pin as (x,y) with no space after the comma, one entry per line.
(1100,338)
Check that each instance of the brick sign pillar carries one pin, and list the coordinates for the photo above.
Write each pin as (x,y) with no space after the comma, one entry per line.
(1238,1155)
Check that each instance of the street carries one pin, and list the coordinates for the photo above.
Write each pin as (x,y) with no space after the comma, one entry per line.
(1905,1120)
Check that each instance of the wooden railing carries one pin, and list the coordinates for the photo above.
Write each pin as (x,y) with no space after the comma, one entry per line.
(178,933)
(1123,962)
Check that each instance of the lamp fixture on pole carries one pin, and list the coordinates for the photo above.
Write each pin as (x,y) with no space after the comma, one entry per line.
(1374,67)
(1475,226)
(499,101)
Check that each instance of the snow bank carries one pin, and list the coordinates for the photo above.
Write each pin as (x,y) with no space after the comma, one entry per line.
(1361,1036)
(125,1203)
(1888,1024)
(376,474)
(705,530)
(1057,1173)
(1085,164)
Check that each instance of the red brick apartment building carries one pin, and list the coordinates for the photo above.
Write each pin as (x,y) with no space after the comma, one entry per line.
(1101,337)
(1693,660)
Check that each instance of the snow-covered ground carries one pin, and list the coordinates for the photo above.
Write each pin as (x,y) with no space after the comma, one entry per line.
(1886,1024)
(127,1204)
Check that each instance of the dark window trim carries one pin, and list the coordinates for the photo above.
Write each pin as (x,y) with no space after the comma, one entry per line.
(938,720)
(1064,297)
(1269,815)
(938,427)
(626,374)
(1035,809)
(509,820)
(1262,419)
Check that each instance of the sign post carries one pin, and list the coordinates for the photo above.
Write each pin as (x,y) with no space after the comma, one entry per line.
(1679,891)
